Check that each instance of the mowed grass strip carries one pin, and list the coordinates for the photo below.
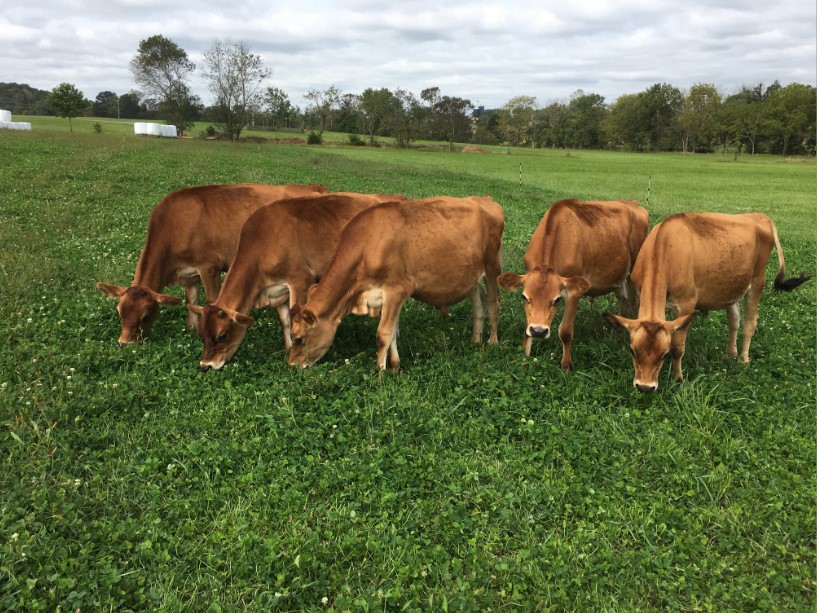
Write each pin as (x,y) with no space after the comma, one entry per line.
(475,478)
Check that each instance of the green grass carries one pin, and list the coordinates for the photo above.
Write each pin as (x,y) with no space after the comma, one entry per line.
(475,478)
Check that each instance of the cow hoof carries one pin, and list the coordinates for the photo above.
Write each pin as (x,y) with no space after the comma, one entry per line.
(567,366)
(743,361)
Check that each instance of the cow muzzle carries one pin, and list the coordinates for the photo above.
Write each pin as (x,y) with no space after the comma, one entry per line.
(539,331)
(646,388)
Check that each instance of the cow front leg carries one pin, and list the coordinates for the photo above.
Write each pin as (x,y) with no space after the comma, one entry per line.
(477,311)
(387,329)
(192,289)
(211,279)
(566,331)
(627,297)
(732,321)
(750,310)
(527,344)
(677,349)
(283,317)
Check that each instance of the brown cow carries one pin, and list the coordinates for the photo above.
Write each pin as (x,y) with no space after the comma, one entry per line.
(435,250)
(694,262)
(284,248)
(191,239)
(578,249)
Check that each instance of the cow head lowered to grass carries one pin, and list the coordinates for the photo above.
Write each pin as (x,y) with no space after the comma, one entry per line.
(705,262)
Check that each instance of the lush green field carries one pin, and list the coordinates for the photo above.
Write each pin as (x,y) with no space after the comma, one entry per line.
(474,479)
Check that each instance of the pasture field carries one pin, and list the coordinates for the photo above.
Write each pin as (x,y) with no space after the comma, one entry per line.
(474,479)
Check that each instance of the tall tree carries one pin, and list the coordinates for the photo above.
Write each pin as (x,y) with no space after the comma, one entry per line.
(163,69)
(235,76)
(67,101)
(278,106)
(452,115)
(585,119)
(698,116)
(403,119)
(517,119)
(374,107)
(106,105)
(323,104)
(660,105)
(791,116)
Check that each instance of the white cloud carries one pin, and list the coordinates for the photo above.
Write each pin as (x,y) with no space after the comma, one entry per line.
(485,51)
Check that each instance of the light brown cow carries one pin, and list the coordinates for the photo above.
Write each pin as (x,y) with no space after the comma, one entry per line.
(435,250)
(578,249)
(191,239)
(694,262)
(284,248)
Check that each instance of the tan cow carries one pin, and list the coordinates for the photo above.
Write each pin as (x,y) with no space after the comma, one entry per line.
(578,249)
(191,239)
(694,262)
(435,250)
(284,248)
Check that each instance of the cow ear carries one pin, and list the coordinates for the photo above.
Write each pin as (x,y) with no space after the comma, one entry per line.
(575,285)
(682,322)
(196,309)
(617,321)
(244,320)
(167,299)
(309,317)
(510,281)
(112,291)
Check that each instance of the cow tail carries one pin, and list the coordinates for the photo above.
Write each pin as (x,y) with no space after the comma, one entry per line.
(781,284)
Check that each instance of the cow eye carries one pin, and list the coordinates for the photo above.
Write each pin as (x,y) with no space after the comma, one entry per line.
(525,298)
(298,341)
(556,300)
(221,337)
(145,317)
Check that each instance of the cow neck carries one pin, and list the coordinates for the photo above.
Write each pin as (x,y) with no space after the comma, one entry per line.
(152,271)
(654,284)
(334,296)
(549,239)
(241,287)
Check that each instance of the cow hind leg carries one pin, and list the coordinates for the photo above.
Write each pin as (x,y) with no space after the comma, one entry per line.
(566,331)
(733,321)
(676,351)
(493,268)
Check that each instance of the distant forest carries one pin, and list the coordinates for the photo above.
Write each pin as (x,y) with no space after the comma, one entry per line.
(773,119)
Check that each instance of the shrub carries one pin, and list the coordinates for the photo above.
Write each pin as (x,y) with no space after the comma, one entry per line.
(314,138)
(356,140)
(98,128)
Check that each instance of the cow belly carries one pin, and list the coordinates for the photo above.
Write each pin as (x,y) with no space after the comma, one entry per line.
(187,275)
(273,296)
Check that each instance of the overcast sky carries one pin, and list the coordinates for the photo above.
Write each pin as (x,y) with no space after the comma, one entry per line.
(486,51)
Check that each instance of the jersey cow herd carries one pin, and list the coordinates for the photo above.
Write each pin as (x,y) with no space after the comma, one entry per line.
(317,256)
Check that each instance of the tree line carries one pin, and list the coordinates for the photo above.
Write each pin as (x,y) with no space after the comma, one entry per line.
(773,119)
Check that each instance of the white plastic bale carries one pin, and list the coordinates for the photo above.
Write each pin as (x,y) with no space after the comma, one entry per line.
(5,116)
(140,127)
(25,125)
(154,129)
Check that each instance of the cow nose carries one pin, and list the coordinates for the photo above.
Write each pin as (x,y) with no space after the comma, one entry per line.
(121,344)
(647,389)
(539,331)
(204,367)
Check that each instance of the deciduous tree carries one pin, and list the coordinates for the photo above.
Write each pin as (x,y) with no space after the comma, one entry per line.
(67,101)
(235,76)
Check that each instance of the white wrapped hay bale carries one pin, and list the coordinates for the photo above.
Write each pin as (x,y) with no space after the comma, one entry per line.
(5,116)
(169,131)
(154,129)
(140,127)
(23,125)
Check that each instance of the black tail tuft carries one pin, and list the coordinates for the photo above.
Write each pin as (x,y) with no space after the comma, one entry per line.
(787,285)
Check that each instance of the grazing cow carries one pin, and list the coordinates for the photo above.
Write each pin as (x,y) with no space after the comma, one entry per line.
(191,239)
(435,250)
(284,248)
(578,249)
(694,262)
